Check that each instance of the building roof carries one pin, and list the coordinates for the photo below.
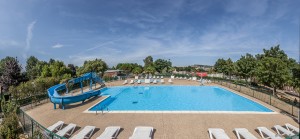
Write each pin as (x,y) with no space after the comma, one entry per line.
(113,71)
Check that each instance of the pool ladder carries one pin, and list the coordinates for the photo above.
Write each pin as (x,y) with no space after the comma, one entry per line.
(102,109)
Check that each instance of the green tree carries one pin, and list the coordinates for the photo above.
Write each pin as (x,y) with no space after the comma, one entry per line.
(32,70)
(148,61)
(273,71)
(189,68)
(46,72)
(128,67)
(137,70)
(220,66)
(275,52)
(161,64)
(229,67)
(40,66)
(274,68)
(246,66)
(296,77)
(51,61)
(72,68)
(171,69)
(11,74)
(2,63)
(58,69)
(97,65)
(150,70)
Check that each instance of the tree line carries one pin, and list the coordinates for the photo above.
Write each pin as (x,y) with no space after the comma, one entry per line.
(272,68)
(39,72)
(150,67)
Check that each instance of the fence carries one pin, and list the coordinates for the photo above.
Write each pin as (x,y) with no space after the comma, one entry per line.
(35,130)
(258,94)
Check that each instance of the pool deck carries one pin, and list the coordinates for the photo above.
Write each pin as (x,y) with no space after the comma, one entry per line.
(167,125)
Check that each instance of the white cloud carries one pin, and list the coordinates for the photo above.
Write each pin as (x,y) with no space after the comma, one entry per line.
(8,43)
(29,37)
(57,45)
(163,34)
(251,8)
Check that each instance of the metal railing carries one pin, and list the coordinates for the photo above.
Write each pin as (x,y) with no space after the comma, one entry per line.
(261,95)
(34,129)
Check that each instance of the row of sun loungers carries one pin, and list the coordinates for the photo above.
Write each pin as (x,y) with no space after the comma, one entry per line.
(151,77)
(147,81)
(192,79)
(140,132)
(144,132)
(265,133)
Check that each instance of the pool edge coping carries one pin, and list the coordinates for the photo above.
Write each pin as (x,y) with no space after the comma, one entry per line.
(186,112)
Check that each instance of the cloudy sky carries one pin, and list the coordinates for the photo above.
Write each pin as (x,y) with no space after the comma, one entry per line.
(184,31)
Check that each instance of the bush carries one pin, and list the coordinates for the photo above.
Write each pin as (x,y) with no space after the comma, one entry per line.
(32,90)
(37,135)
(66,78)
(9,127)
(8,107)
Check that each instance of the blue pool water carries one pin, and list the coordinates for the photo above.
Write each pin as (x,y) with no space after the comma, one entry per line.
(175,98)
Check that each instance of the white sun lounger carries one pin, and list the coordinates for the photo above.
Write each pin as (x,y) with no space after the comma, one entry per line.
(218,133)
(244,133)
(266,131)
(142,132)
(194,78)
(147,81)
(154,81)
(136,77)
(282,131)
(139,81)
(131,82)
(170,81)
(172,77)
(68,130)
(125,82)
(292,128)
(56,126)
(162,81)
(161,77)
(110,132)
(86,132)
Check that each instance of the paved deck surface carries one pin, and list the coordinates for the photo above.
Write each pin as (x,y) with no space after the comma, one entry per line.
(167,126)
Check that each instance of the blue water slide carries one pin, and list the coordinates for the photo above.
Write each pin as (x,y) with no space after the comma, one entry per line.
(55,98)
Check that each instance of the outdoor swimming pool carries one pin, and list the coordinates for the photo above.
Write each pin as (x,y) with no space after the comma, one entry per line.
(175,98)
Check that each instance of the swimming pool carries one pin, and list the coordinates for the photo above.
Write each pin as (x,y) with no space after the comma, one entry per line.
(175,98)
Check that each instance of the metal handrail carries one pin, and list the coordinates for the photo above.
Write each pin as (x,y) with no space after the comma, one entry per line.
(50,134)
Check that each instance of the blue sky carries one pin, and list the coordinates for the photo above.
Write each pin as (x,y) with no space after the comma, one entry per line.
(185,31)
